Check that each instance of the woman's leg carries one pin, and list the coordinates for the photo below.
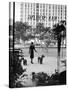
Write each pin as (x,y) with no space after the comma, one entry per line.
(32,60)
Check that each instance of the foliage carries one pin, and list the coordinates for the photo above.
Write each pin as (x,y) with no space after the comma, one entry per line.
(57,30)
(15,68)
(44,79)
(59,33)
(20,30)
(40,28)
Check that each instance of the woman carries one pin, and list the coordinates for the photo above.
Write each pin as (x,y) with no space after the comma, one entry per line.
(31,51)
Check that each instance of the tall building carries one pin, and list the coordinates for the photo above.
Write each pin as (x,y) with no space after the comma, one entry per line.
(48,14)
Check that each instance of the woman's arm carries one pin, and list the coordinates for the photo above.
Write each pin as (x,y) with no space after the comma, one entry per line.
(35,49)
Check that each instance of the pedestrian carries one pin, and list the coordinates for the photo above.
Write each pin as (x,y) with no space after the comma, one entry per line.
(31,51)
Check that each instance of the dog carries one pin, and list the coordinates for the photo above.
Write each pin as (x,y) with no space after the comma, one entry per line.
(24,61)
(40,59)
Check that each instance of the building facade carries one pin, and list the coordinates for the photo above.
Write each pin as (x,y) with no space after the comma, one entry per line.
(48,14)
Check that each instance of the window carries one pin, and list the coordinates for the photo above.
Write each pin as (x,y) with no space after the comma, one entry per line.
(37,5)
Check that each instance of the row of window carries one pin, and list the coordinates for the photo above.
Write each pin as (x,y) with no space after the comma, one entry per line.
(45,20)
(44,16)
(44,6)
(43,11)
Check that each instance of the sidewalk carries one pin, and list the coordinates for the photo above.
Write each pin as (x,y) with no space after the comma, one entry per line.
(49,65)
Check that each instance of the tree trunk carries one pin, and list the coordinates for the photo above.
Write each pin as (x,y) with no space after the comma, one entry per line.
(58,55)
(58,63)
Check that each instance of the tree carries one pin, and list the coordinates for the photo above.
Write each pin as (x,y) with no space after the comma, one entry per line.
(20,30)
(57,30)
(46,36)
(40,28)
